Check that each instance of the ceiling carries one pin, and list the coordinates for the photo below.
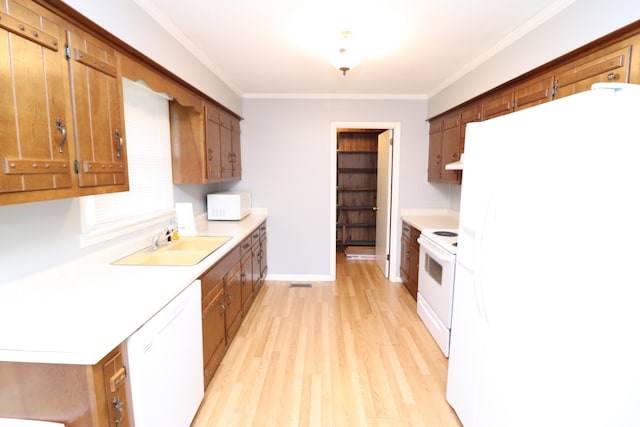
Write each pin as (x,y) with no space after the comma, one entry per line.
(408,48)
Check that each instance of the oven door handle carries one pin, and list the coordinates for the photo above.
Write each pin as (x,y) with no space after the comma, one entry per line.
(426,246)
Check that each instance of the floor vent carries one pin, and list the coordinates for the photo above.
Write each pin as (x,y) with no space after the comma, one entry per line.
(300,285)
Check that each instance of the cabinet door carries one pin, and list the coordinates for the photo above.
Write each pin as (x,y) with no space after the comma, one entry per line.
(213,332)
(34,114)
(247,282)
(497,105)
(226,143)
(435,150)
(607,65)
(236,161)
(450,148)
(98,113)
(213,144)
(233,298)
(404,259)
(115,379)
(188,147)
(468,114)
(534,92)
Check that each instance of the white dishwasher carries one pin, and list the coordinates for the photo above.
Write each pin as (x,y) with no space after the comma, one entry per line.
(165,363)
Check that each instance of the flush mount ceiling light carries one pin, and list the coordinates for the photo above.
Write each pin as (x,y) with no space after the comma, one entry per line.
(346,57)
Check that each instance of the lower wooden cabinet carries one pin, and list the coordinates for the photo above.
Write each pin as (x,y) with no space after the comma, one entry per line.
(75,395)
(246,275)
(228,290)
(410,253)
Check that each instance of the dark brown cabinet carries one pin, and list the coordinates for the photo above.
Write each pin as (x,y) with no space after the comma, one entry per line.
(444,148)
(611,64)
(409,257)
(613,58)
(246,274)
(228,289)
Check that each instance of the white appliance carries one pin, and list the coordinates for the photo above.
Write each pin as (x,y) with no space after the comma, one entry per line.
(437,265)
(165,363)
(546,322)
(228,206)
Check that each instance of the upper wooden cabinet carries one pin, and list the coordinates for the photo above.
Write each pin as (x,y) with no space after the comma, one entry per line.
(497,104)
(34,109)
(99,119)
(613,58)
(611,64)
(444,148)
(468,114)
(61,109)
(533,92)
(205,144)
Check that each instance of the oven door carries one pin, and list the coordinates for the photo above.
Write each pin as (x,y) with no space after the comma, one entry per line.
(435,279)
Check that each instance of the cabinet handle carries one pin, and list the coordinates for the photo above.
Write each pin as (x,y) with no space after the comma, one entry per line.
(611,76)
(118,406)
(119,141)
(63,131)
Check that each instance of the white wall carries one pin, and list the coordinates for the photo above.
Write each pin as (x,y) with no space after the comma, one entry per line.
(286,157)
(580,23)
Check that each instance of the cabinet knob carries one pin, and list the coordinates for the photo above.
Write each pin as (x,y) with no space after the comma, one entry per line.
(611,76)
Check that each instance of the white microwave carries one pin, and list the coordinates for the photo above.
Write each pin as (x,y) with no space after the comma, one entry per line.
(228,206)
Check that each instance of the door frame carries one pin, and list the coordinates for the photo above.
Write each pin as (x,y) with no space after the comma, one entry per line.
(393,207)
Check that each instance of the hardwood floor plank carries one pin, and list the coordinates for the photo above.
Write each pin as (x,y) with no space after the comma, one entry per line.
(347,353)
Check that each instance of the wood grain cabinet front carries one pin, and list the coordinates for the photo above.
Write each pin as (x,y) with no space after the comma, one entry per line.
(613,58)
(228,291)
(609,64)
(410,251)
(61,109)
(75,395)
(444,148)
(205,144)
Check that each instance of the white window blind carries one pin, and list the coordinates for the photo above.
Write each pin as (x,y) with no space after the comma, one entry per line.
(150,196)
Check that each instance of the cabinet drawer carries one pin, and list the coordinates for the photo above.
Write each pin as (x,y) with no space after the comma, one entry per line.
(245,245)
(410,232)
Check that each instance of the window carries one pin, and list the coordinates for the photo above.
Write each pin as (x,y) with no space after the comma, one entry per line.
(149,200)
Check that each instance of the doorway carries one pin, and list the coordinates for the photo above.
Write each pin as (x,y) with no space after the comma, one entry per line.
(363,192)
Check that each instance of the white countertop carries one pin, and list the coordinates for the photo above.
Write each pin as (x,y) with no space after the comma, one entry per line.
(78,312)
(430,219)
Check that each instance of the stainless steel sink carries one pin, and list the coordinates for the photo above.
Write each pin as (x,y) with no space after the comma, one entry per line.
(188,250)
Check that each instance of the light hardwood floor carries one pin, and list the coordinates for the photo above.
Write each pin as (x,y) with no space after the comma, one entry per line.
(347,353)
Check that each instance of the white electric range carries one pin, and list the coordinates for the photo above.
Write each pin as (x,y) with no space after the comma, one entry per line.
(436,277)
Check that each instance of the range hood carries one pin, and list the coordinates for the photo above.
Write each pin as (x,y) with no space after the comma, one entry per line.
(456,165)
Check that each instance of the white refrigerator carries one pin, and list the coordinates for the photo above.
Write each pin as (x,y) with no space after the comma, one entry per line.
(546,312)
